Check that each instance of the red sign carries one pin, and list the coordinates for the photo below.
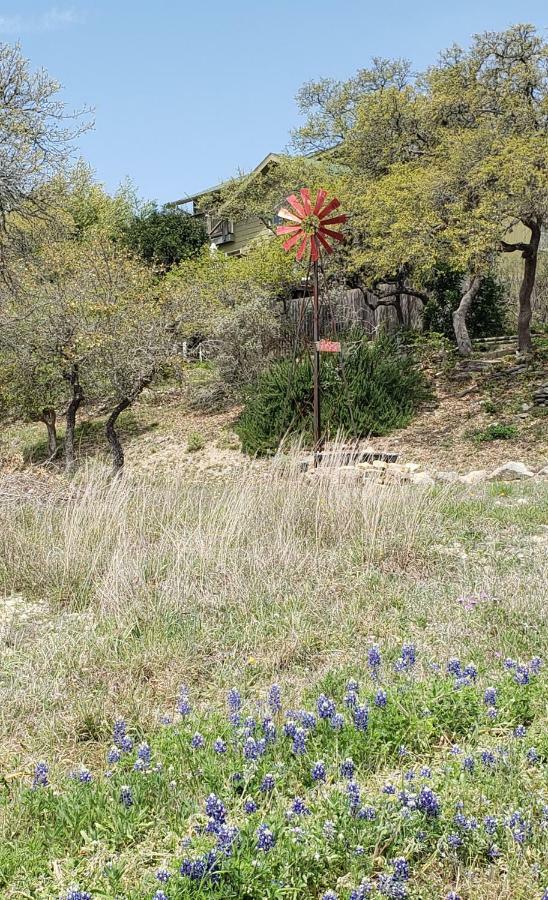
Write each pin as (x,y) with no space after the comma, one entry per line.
(328,346)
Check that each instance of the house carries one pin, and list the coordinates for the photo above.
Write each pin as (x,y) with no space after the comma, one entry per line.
(229,235)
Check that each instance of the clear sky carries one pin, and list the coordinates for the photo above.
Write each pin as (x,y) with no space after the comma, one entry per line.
(188,93)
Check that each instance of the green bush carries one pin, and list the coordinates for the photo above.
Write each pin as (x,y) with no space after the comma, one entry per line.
(376,389)
(487,313)
(497,432)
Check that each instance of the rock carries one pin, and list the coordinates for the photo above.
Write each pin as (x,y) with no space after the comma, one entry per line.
(447,477)
(474,477)
(511,471)
(543,473)
(411,467)
(525,407)
(421,478)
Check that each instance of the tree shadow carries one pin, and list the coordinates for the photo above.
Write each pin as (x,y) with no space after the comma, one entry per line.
(90,440)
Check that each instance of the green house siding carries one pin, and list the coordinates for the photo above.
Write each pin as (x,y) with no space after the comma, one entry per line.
(244,233)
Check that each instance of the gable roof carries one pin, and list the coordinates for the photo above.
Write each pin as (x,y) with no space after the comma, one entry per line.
(271,157)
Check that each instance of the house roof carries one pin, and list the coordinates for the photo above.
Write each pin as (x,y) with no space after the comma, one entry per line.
(271,157)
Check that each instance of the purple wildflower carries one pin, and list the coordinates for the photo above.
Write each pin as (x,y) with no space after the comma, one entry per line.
(325,706)
(198,741)
(318,771)
(265,838)
(275,699)
(126,797)
(40,778)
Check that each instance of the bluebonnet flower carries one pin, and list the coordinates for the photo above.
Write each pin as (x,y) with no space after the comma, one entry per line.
(460,821)
(490,824)
(317,771)
(521,675)
(268,783)
(468,763)
(354,795)
(361,892)
(347,768)
(234,700)
(351,699)
(126,797)
(454,841)
(144,754)
(490,696)
(488,758)
(119,731)
(163,876)
(219,745)
(198,741)
(389,789)
(215,808)
(352,685)
(410,775)
(40,778)
(251,748)
(249,723)
(275,699)
(307,719)
(361,718)
(428,802)
(329,830)
(493,851)
(532,755)
(250,806)
(183,702)
(492,713)
(299,741)
(402,750)
(535,665)
(83,775)
(330,895)
(509,663)
(269,730)
(299,807)
(407,659)
(425,772)
(76,894)
(299,834)
(452,895)
(374,659)
(421,836)
(160,895)
(392,887)
(470,672)
(455,750)
(359,850)
(114,755)
(227,836)
(337,722)
(367,813)
(401,868)
(290,726)
(265,838)
(380,699)
(325,706)
(520,731)
(545,895)
(454,667)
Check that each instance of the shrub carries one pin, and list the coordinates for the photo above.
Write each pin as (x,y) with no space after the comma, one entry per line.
(496,432)
(487,314)
(376,389)
(195,442)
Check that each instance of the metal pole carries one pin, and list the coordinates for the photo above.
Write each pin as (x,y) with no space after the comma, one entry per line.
(316,368)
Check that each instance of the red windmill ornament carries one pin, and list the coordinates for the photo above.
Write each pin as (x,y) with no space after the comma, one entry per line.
(313,228)
(312,224)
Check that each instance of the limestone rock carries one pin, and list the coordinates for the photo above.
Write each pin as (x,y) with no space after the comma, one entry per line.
(421,478)
(543,473)
(475,477)
(511,471)
(447,477)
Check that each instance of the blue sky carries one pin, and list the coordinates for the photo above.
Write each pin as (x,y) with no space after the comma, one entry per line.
(188,93)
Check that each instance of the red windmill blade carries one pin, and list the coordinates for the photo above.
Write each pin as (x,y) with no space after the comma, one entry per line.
(309,229)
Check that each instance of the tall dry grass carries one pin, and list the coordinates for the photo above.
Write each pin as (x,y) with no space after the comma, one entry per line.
(141,583)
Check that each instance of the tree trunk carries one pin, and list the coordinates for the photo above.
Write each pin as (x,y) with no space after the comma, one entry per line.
(530,256)
(464,343)
(72,409)
(49,419)
(116,448)
(112,436)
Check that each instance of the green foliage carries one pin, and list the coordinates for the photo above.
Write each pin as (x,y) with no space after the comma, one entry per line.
(496,432)
(164,237)
(487,314)
(195,442)
(377,389)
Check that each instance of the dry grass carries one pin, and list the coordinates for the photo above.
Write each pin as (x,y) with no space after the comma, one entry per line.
(140,584)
